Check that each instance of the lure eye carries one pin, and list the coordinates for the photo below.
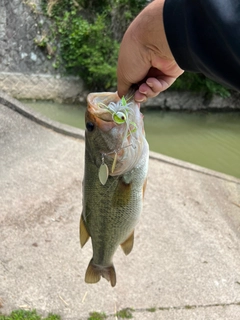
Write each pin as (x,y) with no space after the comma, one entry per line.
(89,126)
(119,117)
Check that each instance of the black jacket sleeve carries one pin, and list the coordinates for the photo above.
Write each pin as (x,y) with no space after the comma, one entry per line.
(204,36)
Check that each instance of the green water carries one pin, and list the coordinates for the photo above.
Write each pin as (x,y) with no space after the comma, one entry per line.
(211,140)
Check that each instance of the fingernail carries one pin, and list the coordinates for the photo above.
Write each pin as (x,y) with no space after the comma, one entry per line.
(149,84)
(141,100)
(143,92)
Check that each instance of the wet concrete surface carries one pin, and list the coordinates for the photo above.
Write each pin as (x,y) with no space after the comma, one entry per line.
(185,263)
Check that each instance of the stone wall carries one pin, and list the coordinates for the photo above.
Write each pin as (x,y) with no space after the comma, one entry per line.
(20,23)
(189,101)
(42,87)
(25,70)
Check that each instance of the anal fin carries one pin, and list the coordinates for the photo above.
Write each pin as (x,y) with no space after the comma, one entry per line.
(127,245)
(94,273)
(84,235)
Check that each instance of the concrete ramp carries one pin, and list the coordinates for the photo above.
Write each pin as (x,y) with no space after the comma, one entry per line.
(186,258)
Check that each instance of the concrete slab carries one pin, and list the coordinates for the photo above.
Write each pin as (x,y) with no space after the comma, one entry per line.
(186,259)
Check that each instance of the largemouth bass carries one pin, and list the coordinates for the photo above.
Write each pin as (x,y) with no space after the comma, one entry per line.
(116,164)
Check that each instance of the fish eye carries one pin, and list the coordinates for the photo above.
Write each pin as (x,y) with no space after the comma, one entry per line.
(89,126)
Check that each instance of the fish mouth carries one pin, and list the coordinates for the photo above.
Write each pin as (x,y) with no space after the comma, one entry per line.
(101,116)
(95,98)
(101,120)
(99,104)
(120,128)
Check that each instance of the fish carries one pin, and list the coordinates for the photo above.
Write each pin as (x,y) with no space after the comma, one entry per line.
(115,177)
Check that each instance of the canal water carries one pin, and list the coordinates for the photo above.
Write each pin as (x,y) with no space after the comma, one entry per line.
(211,140)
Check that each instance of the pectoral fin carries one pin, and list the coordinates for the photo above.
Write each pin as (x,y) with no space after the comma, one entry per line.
(127,245)
(84,235)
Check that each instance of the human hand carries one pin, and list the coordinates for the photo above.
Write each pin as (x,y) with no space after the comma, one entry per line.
(145,57)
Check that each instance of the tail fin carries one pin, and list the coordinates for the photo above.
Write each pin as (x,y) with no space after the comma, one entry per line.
(94,273)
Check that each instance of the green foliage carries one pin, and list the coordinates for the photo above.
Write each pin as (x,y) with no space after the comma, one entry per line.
(28,315)
(125,313)
(122,14)
(153,309)
(88,34)
(97,316)
(199,83)
(88,50)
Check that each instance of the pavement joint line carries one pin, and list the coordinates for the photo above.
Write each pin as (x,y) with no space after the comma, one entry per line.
(190,307)
(185,307)
(155,309)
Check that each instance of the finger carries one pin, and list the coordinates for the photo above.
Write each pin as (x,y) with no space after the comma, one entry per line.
(149,89)
(164,82)
(152,87)
(140,97)
(155,85)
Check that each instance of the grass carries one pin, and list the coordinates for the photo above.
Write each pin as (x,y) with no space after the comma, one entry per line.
(97,316)
(125,313)
(28,315)
(153,309)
